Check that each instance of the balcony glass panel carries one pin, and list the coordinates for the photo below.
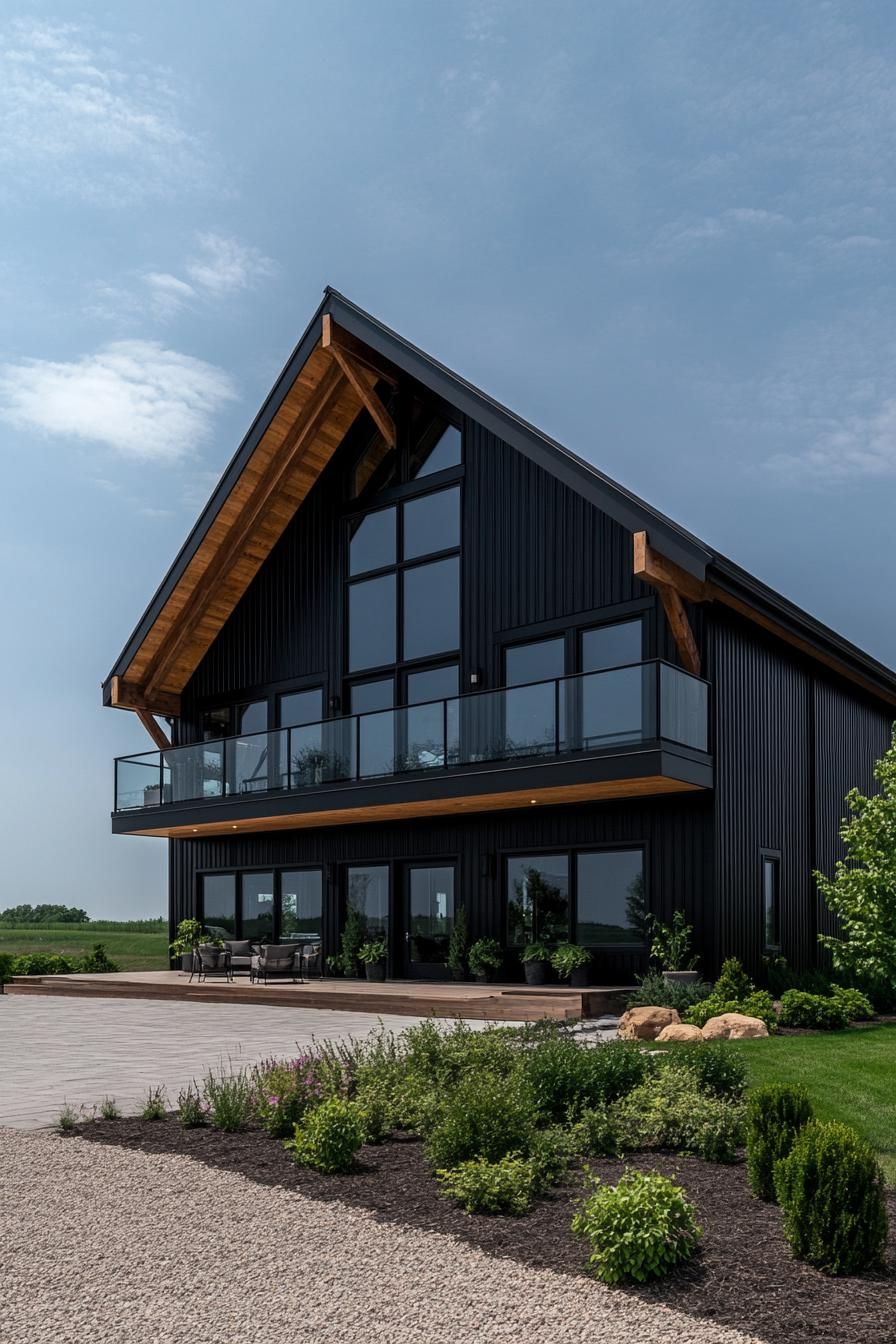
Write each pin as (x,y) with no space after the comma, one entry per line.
(137,782)
(322,753)
(617,706)
(196,771)
(684,706)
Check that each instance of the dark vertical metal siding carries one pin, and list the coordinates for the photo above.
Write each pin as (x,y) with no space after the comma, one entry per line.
(851,734)
(762,791)
(676,833)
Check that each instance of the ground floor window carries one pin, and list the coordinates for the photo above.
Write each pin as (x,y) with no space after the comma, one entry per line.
(430,901)
(593,896)
(263,906)
(771,901)
(367,897)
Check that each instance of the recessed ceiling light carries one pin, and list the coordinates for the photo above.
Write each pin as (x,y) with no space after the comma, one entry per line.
(234,825)
(533,800)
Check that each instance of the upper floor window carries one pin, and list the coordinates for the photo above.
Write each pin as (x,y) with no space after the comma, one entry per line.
(430,444)
(437,449)
(413,611)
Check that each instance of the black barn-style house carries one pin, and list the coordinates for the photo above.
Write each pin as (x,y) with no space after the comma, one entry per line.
(415,656)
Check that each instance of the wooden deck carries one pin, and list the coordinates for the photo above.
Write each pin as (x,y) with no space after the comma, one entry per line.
(413,998)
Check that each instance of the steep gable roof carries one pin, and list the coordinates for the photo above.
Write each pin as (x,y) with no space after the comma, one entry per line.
(330,376)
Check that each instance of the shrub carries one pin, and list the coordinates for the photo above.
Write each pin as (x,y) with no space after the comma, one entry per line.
(192,1111)
(505,1186)
(733,981)
(855,1004)
(671,945)
(154,1106)
(549,1154)
(830,1188)
(568,958)
(97,962)
(42,963)
(779,977)
(758,1004)
(669,1111)
(565,1077)
(282,1091)
(535,952)
(639,1229)
(485,1116)
(775,1115)
(7,961)
(594,1133)
(328,1137)
(485,955)
(229,1097)
(812,1010)
(654,991)
(712,1065)
(109,1109)
(373,952)
(68,1117)
(354,935)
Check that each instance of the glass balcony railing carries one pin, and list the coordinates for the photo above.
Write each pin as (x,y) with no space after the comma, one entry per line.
(642,702)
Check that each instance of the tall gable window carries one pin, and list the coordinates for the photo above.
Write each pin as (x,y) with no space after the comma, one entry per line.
(409,608)
(437,449)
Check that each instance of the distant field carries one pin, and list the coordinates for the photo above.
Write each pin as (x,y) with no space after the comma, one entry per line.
(140,945)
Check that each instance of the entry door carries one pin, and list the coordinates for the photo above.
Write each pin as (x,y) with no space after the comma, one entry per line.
(429,896)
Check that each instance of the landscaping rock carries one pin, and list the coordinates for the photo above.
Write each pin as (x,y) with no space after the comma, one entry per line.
(734,1027)
(645,1024)
(680,1031)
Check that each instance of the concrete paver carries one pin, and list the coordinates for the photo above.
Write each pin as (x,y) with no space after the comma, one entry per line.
(76,1050)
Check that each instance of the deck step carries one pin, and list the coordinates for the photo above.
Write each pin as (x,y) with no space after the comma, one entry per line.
(493,1003)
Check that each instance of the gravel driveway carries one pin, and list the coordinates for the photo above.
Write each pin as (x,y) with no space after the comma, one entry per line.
(102,1244)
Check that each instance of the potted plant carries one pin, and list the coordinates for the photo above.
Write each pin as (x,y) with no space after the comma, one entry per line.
(485,958)
(373,955)
(671,947)
(572,963)
(354,935)
(457,945)
(536,958)
(190,934)
(334,964)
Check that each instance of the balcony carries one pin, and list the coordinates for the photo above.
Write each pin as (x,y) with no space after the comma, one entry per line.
(636,729)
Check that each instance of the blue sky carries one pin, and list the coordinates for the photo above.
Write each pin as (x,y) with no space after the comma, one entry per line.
(662,231)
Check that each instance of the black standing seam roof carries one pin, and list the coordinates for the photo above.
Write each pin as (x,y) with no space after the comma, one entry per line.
(633,513)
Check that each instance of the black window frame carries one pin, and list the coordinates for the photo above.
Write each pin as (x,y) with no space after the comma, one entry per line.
(571,853)
(773,857)
(239,871)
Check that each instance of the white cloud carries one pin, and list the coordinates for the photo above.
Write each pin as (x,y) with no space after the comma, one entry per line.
(860,447)
(138,398)
(80,119)
(167,294)
(226,265)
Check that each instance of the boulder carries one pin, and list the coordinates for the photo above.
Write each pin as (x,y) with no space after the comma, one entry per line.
(680,1031)
(734,1027)
(645,1024)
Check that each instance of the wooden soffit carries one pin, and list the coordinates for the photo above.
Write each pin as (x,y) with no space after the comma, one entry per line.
(328,393)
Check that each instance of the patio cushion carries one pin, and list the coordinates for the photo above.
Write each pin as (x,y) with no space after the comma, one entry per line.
(240,949)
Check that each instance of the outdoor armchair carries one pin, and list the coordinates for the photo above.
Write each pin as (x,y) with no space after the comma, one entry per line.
(274,960)
(209,959)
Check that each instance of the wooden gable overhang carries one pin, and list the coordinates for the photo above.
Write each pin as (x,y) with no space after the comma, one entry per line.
(344,356)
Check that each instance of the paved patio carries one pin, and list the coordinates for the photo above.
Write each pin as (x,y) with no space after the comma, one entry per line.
(55,1050)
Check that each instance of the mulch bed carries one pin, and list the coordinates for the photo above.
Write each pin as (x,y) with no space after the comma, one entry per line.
(744,1275)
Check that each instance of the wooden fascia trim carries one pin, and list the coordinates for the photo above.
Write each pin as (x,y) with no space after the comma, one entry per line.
(125,695)
(305,429)
(154,730)
(672,583)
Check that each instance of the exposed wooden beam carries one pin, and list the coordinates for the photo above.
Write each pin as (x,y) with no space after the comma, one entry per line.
(295,443)
(125,695)
(680,627)
(332,335)
(155,731)
(655,568)
(359,381)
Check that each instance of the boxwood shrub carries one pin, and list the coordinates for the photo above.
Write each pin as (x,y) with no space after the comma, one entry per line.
(831,1190)
(812,1010)
(328,1137)
(775,1115)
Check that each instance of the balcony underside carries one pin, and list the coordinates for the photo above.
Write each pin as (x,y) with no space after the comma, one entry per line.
(632,774)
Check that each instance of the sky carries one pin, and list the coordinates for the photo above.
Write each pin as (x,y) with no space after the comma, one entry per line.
(662,231)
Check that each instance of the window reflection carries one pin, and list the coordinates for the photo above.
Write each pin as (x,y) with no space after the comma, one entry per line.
(537,899)
(610,897)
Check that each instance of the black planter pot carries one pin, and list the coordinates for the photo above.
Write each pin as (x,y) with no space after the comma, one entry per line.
(483,977)
(376,970)
(458,973)
(536,972)
(580,978)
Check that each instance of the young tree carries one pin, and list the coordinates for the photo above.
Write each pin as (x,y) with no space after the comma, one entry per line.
(862,892)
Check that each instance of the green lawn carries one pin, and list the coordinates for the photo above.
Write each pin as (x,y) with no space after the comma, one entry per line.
(850,1076)
(133,947)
